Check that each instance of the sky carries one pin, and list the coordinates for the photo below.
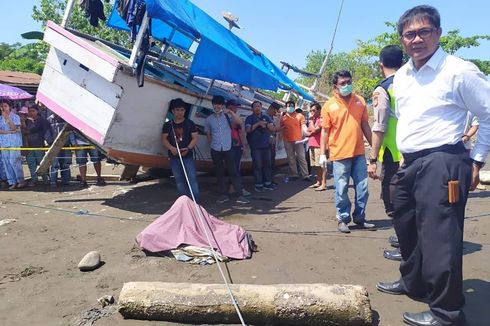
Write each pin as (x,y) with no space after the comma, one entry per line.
(287,30)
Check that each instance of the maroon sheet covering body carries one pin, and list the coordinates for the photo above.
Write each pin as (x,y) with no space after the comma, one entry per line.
(181,225)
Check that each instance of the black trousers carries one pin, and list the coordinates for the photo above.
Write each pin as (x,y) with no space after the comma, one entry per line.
(430,229)
(273,159)
(228,158)
(388,170)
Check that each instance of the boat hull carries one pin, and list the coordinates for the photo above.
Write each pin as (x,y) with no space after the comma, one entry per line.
(93,89)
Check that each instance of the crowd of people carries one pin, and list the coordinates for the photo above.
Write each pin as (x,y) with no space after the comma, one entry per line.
(25,134)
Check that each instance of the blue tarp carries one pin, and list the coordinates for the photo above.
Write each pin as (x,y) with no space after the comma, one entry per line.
(221,54)
(160,30)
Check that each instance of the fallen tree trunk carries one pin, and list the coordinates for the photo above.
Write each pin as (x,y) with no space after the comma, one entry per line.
(280,304)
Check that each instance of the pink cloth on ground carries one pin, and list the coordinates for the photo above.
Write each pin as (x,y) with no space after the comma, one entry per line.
(181,225)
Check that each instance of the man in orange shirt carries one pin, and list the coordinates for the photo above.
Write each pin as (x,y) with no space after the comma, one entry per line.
(292,124)
(344,122)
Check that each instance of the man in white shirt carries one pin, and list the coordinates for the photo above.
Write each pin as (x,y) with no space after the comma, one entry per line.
(434,91)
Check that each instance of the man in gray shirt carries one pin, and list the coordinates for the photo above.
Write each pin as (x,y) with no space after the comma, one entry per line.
(218,132)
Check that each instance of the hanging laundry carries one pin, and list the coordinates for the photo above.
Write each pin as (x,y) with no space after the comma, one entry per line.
(132,11)
(123,7)
(94,10)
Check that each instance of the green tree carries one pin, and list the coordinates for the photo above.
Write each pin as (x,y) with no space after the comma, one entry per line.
(362,61)
(483,65)
(6,49)
(31,57)
(26,58)
(364,72)
(54,9)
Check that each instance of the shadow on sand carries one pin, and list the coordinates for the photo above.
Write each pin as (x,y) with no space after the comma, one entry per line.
(157,198)
(477,296)
(479,194)
(471,247)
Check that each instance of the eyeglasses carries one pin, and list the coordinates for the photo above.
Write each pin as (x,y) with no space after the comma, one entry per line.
(422,33)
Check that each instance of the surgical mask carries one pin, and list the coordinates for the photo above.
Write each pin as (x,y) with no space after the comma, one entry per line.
(345,90)
(290,109)
(217,110)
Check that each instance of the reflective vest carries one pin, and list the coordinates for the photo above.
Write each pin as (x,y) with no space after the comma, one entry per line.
(389,140)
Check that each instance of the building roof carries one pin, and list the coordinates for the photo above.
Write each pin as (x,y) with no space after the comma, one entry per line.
(24,80)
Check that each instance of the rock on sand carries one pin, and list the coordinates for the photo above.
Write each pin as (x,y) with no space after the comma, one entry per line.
(90,261)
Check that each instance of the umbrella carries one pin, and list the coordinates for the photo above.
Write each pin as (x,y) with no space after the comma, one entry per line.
(13,93)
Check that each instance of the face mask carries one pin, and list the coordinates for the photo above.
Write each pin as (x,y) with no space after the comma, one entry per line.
(217,110)
(345,90)
(290,109)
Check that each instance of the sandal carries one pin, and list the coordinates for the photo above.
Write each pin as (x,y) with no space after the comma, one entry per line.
(321,189)
(316,185)
(21,185)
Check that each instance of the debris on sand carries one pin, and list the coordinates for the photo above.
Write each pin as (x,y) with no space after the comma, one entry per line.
(28,271)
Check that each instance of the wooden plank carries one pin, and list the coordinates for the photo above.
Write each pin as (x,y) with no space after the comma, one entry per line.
(85,107)
(129,172)
(103,66)
(54,150)
(88,79)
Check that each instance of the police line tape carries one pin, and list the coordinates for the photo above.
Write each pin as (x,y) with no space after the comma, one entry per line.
(43,148)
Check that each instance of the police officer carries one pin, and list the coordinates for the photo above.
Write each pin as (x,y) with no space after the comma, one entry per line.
(384,147)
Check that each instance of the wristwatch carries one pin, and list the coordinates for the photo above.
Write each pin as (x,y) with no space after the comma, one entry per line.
(373,160)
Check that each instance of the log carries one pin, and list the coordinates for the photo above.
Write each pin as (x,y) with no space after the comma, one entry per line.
(277,304)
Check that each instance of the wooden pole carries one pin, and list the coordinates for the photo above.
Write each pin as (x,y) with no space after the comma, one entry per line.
(54,150)
(138,41)
(129,172)
(67,14)
(277,304)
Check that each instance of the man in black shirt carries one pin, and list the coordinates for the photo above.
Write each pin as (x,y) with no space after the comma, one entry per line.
(180,135)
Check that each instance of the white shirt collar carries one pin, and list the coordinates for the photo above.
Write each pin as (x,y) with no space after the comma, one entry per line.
(433,62)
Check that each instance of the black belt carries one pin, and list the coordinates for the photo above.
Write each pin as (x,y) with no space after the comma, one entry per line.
(453,149)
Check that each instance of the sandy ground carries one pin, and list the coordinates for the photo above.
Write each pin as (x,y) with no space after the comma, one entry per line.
(295,231)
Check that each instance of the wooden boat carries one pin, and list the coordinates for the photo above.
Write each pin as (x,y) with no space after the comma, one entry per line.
(91,85)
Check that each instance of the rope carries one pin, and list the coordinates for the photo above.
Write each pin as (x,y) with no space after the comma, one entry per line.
(43,148)
(71,165)
(79,212)
(201,218)
(316,84)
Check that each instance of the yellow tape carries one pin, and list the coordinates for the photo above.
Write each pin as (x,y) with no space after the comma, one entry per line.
(42,148)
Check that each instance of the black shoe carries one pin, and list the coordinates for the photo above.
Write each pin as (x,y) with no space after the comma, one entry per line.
(391,288)
(424,318)
(393,254)
(393,240)
(100,181)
